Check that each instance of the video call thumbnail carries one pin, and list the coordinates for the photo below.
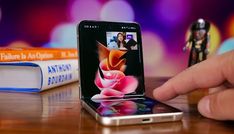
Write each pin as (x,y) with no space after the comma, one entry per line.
(122,40)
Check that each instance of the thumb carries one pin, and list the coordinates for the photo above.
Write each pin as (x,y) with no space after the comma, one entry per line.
(218,106)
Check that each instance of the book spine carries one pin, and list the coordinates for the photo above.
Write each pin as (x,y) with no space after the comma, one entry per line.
(58,72)
(35,55)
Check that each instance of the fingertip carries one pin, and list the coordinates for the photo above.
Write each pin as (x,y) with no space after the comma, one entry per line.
(160,94)
(204,107)
(156,93)
(218,106)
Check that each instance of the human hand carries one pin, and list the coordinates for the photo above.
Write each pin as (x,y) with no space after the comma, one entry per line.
(216,73)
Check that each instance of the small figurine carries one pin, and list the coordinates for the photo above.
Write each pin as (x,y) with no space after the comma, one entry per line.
(198,41)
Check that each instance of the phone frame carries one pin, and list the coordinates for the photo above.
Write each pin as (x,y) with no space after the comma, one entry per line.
(132,119)
(128,119)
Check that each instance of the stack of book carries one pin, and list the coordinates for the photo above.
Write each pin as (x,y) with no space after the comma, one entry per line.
(37,69)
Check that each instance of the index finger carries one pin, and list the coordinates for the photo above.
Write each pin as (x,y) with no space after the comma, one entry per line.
(209,73)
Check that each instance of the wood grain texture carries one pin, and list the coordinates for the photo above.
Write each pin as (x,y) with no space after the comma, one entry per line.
(58,111)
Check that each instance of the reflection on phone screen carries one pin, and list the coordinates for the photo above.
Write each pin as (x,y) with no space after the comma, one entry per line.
(130,106)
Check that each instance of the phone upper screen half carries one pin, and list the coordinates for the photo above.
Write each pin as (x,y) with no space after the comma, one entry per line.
(110,59)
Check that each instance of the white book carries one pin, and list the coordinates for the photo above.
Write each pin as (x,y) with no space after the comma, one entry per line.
(37,76)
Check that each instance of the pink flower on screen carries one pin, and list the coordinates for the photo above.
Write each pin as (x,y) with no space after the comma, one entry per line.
(110,78)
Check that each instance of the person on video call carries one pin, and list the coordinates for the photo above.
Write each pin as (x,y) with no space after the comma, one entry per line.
(131,45)
(121,41)
(217,74)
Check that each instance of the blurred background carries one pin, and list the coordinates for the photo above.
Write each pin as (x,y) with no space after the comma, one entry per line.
(164,23)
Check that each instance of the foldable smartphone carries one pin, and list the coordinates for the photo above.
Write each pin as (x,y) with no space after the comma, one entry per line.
(112,77)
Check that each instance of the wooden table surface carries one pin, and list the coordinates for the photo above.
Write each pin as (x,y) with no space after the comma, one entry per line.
(58,111)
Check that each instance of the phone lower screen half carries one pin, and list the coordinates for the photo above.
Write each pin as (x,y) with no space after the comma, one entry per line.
(111,63)
(130,106)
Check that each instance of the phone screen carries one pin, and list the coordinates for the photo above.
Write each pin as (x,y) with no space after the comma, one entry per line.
(110,56)
(130,106)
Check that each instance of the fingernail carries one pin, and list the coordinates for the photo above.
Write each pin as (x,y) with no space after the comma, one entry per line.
(204,106)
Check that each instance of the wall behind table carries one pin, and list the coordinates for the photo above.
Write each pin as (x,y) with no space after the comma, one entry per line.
(52,23)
